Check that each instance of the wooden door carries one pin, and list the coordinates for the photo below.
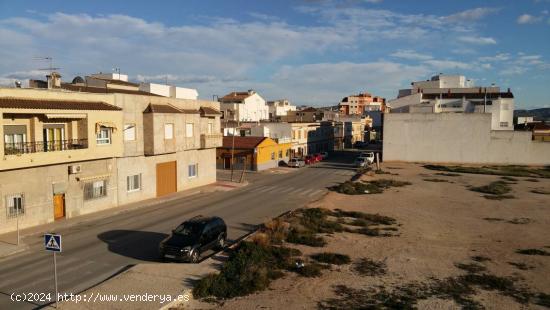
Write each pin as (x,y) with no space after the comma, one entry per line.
(166,178)
(58,206)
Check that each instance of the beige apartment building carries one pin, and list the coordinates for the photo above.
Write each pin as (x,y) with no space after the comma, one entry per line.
(67,153)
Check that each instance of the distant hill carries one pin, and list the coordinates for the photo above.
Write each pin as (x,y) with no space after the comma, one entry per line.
(542,114)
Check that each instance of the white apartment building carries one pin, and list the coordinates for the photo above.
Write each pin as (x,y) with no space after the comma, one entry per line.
(169,91)
(246,106)
(456,94)
(278,108)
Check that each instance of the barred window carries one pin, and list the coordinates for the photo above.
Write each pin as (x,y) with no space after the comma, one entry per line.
(192,170)
(95,189)
(15,205)
(133,182)
(503,124)
(280,154)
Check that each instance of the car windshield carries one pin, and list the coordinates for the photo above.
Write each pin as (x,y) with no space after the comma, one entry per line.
(189,229)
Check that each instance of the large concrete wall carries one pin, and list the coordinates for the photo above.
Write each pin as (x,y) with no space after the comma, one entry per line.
(458,138)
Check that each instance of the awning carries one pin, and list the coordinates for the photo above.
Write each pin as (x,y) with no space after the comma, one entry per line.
(94,178)
(66,116)
(98,126)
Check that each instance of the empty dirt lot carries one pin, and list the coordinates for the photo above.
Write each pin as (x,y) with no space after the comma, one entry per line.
(453,248)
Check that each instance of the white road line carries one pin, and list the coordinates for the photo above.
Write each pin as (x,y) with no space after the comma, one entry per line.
(315,193)
(287,189)
(306,192)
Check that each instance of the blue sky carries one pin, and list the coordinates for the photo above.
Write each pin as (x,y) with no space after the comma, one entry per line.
(311,51)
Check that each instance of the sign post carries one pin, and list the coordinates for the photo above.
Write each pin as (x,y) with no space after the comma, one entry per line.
(52,243)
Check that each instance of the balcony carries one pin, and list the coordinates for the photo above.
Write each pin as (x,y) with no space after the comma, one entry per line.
(209,141)
(18,148)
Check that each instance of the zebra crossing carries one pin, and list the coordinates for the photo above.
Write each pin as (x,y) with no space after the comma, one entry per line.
(289,190)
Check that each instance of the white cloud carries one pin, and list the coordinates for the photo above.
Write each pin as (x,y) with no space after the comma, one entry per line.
(448,65)
(477,40)
(472,14)
(528,19)
(410,54)
(497,58)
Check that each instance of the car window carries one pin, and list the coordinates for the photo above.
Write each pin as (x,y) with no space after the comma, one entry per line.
(189,229)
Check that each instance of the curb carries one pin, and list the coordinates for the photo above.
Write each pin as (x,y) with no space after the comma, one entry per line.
(18,249)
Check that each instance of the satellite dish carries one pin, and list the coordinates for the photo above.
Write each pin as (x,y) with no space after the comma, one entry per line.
(18,84)
(78,80)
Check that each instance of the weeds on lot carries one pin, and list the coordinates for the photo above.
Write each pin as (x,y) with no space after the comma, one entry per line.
(519,221)
(532,180)
(447,174)
(533,252)
(540,191)
(305,238)
(437,180)
(371,218)
(521,266)
(516,171)
(480,259)
(371,187)
(493,219)
(331,258)
(496,190)
(471,267)
(510,179)
(369,267)
(311,270)
(250,268)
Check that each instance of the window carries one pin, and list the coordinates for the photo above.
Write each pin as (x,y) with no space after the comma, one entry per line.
(133,183)
(129,132)
(95,189)
(280,153)
(168,131)
(210,128)
(272,155)
(103,136)
(287,152)
(192,170)
(15,205)
(503,124)
(189,130)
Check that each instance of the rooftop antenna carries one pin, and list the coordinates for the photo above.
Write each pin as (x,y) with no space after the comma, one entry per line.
(117,70)
(49,59)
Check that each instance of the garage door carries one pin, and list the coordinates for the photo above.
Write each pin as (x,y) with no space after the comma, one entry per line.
(166,178)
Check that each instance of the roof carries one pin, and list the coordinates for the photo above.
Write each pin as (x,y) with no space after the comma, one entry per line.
(243,142)
(113,81)
(89,89)
(236,96)
(52,104)
(161,108)
(310,109)
(447,95)
(206,111)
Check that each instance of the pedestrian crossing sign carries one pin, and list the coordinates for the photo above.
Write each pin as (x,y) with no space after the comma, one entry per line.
(52,242)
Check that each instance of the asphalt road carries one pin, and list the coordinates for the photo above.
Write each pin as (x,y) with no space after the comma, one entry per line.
(96,250)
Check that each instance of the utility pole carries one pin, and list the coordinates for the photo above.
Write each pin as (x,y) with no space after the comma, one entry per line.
(233,149)
(18,212)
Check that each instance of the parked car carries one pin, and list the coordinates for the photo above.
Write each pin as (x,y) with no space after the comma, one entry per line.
(361,162)
(309,160)
(318,157)
(193,237)
(296,162)
(324,155)
(369,156)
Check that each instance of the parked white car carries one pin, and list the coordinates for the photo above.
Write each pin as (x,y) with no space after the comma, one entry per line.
(361,162)
(296,162)
(369,156)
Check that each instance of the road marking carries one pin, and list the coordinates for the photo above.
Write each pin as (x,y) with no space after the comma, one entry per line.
(287,189)
(296,191)
(308,191)
(315,193)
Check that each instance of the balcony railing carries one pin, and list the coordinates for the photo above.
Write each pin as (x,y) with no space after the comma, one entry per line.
(47,146)
(211,141)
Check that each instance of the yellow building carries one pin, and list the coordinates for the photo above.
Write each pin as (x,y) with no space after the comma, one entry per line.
(252,153)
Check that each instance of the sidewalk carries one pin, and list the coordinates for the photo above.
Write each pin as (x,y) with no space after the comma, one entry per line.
(8,241)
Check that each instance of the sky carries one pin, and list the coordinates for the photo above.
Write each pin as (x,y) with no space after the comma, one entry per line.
(312,52)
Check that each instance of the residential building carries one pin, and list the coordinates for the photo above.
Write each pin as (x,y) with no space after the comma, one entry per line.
(279,108)
(244,106)
(169,91)
(456,94)
(251,153)
(360,103)
(75,149)
(540,130)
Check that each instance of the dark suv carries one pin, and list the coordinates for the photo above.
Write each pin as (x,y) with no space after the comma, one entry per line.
(193,237)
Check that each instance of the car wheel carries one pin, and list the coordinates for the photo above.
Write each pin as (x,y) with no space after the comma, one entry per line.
(221,242)
(195,256)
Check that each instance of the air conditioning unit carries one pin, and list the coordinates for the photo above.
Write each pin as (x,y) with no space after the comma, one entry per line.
(75,169)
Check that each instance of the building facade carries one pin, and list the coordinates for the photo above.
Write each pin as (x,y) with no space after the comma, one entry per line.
(279,108)
(360,103)
(456,94)
(246,106)
(252,153)
(67,153)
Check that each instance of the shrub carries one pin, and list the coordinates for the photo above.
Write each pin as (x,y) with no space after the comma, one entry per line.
(311,270)
(494,188)
(277,230)
(368,267)
(331,258)
(305,238)
(250,268)
(540,191)
(435,180)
